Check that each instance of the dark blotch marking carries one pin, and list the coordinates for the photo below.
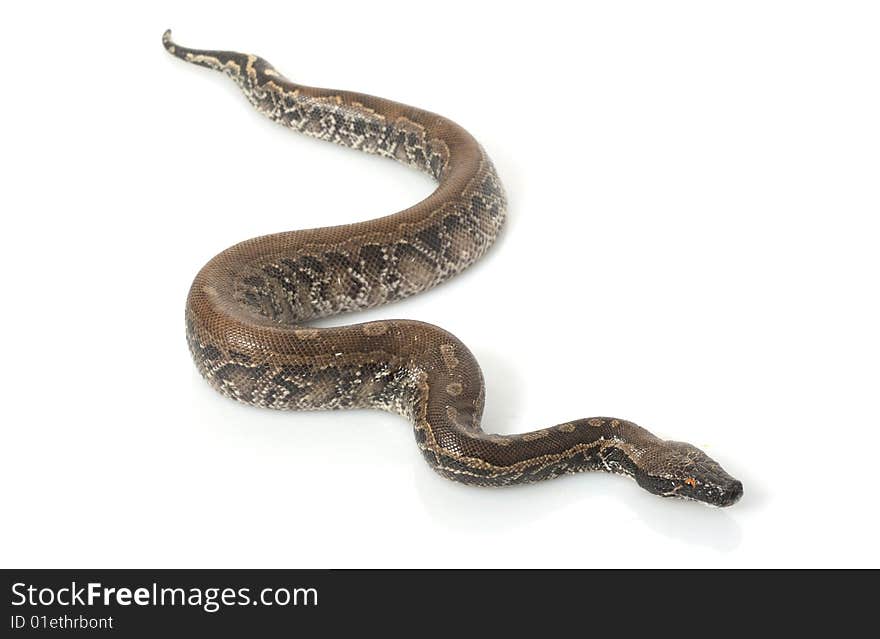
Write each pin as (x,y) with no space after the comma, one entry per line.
(372,257)
(431,237)
(230,370)
(451,222)
(210,351)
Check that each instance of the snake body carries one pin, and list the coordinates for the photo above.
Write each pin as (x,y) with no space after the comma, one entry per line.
(248,309)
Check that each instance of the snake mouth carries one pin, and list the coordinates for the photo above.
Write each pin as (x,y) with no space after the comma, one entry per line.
(721,495)
(731,494)
(714,493)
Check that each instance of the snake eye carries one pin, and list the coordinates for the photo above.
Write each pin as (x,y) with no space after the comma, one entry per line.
(690,481)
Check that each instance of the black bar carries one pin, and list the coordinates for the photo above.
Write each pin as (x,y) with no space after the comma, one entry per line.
(455,603)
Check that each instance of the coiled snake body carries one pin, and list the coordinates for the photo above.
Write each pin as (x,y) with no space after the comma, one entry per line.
(247,310)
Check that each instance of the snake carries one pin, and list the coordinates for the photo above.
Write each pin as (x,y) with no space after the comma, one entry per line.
(250,310)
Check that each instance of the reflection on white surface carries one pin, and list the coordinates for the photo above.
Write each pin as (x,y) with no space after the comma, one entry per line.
(481,510)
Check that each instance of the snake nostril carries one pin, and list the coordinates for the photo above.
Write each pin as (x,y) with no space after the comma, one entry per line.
(733,493)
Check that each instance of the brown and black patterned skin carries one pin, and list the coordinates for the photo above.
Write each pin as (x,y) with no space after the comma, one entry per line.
(248,308)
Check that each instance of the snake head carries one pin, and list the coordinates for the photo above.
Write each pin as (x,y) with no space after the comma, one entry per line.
(678,469)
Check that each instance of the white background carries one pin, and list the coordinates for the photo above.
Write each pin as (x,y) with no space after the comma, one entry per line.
(692,244)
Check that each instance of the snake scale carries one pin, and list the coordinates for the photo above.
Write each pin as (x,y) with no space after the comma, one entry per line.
(248,309)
